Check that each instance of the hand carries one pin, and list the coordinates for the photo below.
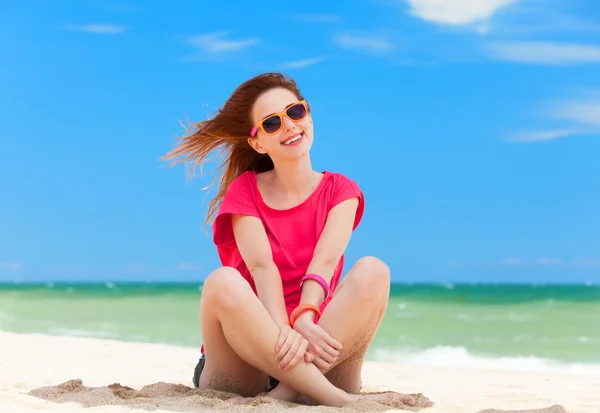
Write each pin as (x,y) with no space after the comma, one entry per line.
(324,348)
(291,348)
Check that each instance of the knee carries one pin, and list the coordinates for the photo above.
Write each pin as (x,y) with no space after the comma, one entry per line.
(225,285)
(371,277)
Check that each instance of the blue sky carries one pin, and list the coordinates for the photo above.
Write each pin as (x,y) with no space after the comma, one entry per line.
(472,128)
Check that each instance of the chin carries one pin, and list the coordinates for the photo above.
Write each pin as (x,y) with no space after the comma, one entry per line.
(297,152)
(296,156)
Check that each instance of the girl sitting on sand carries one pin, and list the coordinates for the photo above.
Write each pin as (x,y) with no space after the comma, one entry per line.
(275,308)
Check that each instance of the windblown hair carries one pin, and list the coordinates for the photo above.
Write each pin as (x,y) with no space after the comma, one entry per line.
(228,131)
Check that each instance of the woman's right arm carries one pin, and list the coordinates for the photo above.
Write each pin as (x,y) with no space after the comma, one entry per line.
(254,247)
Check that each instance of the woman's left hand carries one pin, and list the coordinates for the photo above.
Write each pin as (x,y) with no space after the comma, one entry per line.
(324,348)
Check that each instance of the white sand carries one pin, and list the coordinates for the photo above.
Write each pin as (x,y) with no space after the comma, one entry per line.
(30,361)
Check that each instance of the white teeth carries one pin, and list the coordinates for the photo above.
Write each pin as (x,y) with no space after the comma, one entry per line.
(292,140)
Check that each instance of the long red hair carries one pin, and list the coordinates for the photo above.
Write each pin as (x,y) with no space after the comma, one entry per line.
(228,131)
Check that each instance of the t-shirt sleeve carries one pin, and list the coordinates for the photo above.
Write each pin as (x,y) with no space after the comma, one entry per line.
(238,200)
(345,188)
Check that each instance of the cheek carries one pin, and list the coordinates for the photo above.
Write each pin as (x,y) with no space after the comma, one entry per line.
(270,142)
(306,124)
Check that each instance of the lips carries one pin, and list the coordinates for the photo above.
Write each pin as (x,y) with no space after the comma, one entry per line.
(293,139)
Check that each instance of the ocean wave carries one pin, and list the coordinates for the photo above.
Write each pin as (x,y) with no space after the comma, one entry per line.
(450,356)
(475,317)
(75,332)
(106,332)
(6,319)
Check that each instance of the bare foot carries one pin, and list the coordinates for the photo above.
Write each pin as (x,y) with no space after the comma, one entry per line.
(389,398)
(240,400)
(282,392)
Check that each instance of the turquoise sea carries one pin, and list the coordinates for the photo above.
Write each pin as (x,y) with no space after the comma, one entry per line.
(528,327)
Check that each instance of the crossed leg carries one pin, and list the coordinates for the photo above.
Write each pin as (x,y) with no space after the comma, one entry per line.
(239,341)
(239,336)
(353,317)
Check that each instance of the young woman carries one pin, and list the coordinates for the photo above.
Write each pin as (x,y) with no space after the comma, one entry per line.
(275,308)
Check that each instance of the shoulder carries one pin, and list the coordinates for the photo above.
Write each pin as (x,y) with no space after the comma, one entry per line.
(339,183)
(342,188)
(341,180)
(240,196)
(243,183)
(242,189)
(239,199)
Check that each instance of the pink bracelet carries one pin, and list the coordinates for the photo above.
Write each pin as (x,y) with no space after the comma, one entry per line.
(318,279)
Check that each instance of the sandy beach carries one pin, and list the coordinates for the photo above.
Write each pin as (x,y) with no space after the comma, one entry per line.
(32,365)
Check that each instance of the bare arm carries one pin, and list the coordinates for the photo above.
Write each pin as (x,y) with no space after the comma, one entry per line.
(331,245)
(253,244)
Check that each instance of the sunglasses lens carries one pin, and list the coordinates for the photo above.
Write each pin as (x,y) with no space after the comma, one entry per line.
(272,124)
(296,112)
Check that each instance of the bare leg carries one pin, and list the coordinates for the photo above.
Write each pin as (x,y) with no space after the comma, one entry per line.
(353,316)
(239,340)
(223,369)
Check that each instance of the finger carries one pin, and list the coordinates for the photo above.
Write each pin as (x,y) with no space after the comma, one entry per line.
(281,339)
(291,354)
(295,341)
(327,353)
(285,347)
(299,356)
(321,364)
(308,357)
(333,342)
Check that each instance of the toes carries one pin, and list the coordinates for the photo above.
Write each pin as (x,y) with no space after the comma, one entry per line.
(408,399)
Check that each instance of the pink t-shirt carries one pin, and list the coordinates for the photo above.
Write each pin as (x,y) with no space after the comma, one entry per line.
(293,233)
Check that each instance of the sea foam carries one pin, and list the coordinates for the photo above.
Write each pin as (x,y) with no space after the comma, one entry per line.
(459,357)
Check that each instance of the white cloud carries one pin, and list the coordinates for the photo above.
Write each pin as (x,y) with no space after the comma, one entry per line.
(456,12)
(543,20)
(73,270)
(540,261)
(512,261)
(527,263)
(549,261)
(588,262)
(99,28)
(187,266)
(545,135)
(216,43)
(11,265)
(149,269)
(136,268)
(364,42)
(578,117)
(299,64)
(545,53)
(584,111)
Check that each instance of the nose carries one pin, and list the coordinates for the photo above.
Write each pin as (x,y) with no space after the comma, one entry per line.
(288,124)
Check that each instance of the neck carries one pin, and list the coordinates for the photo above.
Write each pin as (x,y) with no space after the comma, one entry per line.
(294,177)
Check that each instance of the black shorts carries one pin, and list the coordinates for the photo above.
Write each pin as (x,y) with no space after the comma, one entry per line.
(271,384)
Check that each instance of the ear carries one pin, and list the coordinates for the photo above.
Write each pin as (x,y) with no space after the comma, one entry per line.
(256,145)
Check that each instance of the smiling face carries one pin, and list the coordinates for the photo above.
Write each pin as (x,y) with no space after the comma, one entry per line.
(294,138)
